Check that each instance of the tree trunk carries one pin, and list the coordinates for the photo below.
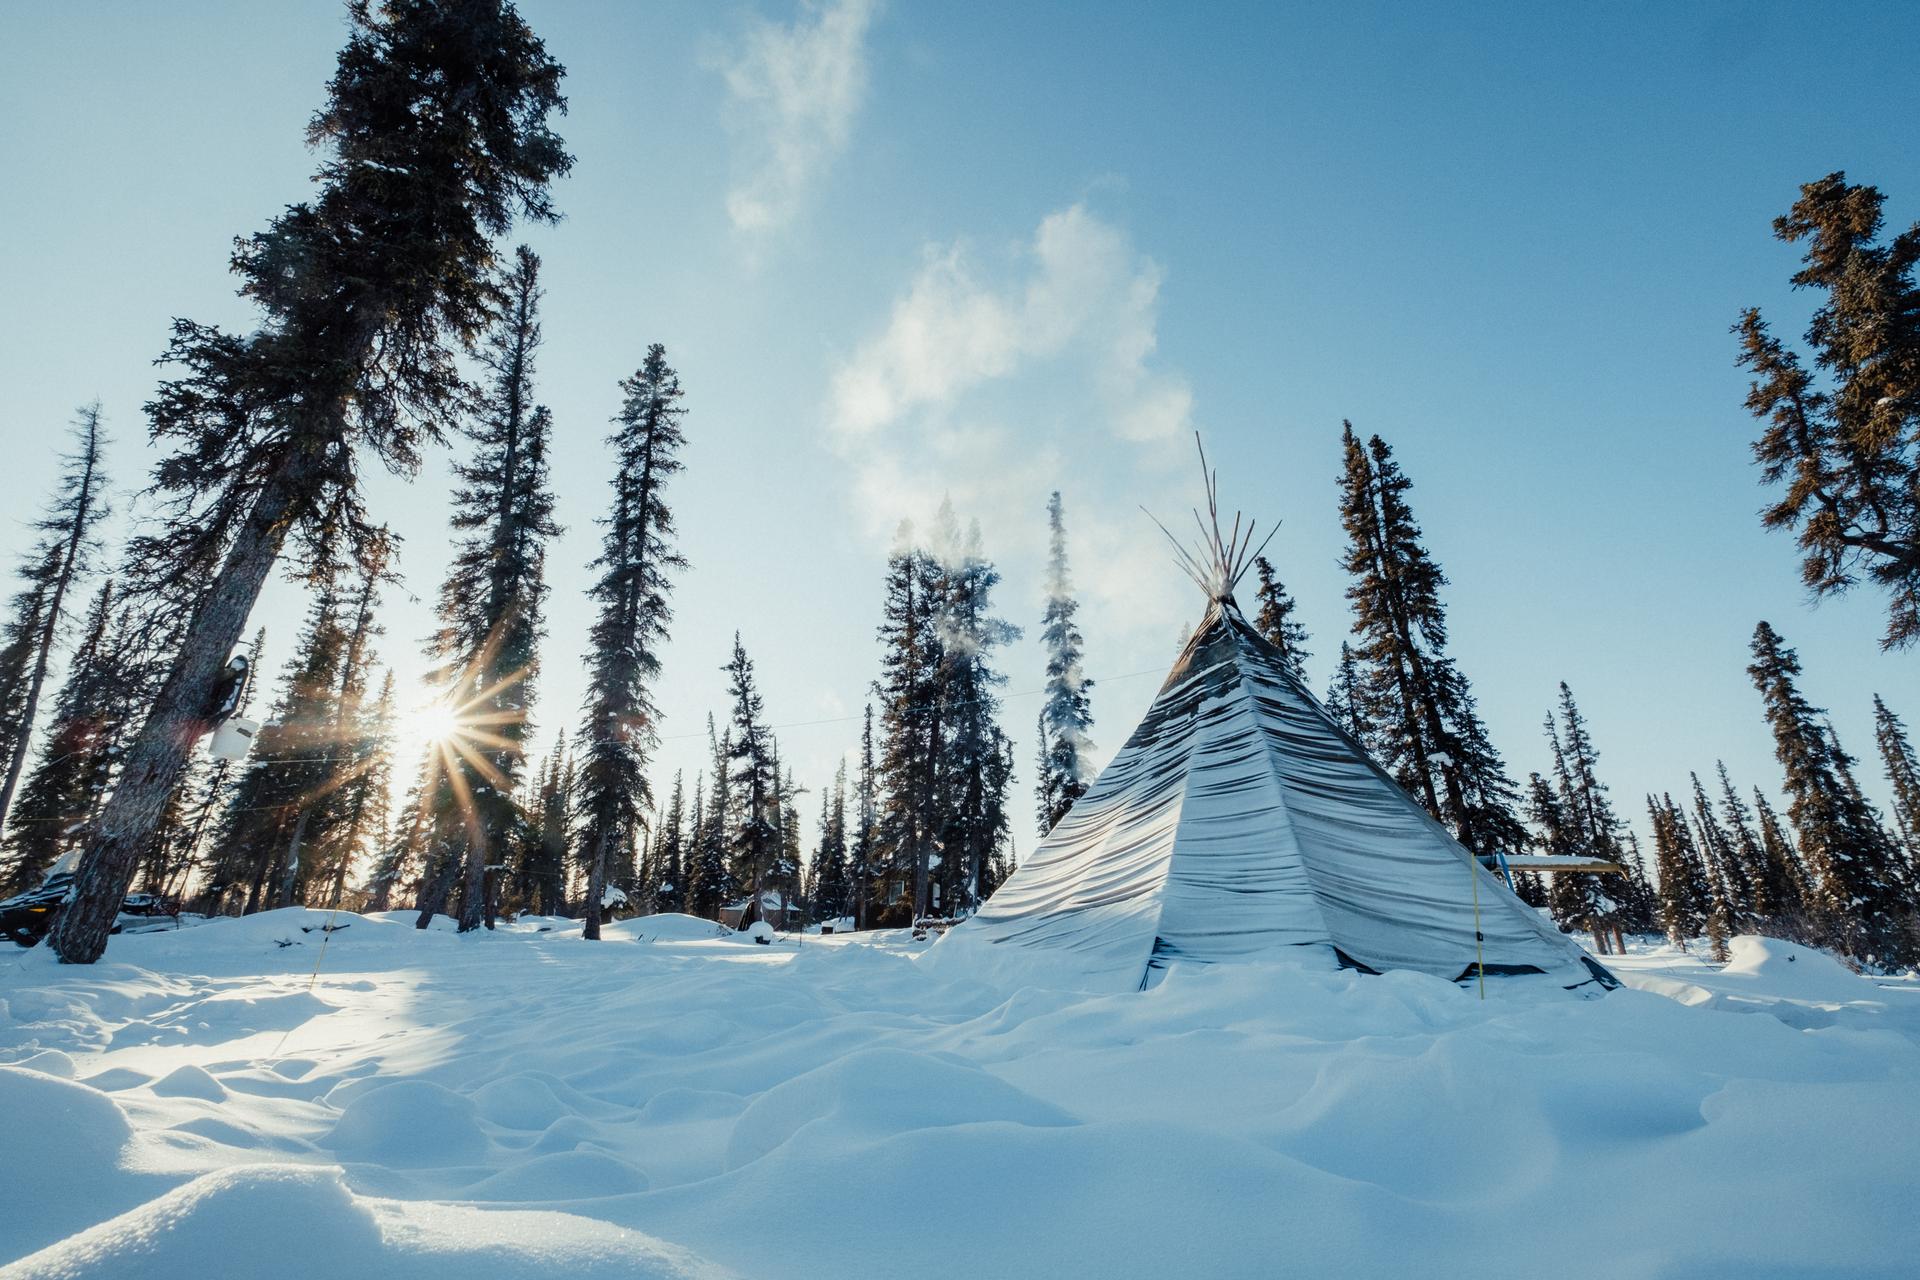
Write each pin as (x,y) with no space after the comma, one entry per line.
(290,874)
(173,726)
(436,891)
(473,886)
(596,887)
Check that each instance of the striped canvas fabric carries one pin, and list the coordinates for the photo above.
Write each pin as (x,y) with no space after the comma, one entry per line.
(1239,820)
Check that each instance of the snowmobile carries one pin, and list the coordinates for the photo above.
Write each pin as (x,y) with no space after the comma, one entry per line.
(27,917)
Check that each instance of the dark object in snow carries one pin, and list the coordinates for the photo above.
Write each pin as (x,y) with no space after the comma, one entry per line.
(324,928)
(27,917)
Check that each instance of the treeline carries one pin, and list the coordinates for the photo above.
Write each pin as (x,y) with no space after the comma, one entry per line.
(389,318)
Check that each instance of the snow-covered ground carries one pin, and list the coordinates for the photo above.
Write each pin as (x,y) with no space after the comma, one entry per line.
(672,1103)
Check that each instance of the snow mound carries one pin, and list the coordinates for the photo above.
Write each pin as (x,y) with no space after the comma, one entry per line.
(409,1124)
(520,1101)
(64,1146)
(189,1081)
(668,926)
(298,1222)
(561,1175)
(1790,971)
(872,1094)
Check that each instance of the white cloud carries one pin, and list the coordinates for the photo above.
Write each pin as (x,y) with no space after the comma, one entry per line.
(793,91)
(998,377)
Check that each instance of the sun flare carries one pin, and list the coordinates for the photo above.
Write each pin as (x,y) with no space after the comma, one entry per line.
(436,722)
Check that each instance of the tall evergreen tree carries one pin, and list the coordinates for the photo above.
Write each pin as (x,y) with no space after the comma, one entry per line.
(492,602)
(1768,894)
(64,788)
(287,780)
(1274,619)
(63,554)
(1066,713)
(1855,872)
(1727,872)
(832,895)
(1431,736)
(1572,898)
(1685,898)
(637,555)
(1846,446)
(541,875)
(434,138)
(972,811)
(1787,878)
(362,801)
(670,852)
(1345,700)
(909,762)
(1903,775)
(863,849)
(754,841)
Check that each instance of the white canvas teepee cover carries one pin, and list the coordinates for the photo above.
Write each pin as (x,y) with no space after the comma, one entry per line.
(1238,819)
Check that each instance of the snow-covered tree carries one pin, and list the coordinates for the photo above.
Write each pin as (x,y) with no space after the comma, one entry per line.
(486,649)
(1902,768)
(1065,767)
(1429,732)
(636,558)
(436,118)
(1855,870)
(1846,448)
(1274,619)
(63,554)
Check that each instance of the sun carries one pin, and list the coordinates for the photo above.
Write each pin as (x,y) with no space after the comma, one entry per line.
(434,723)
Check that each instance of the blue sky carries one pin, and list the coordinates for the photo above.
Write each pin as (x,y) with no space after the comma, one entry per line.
(905,250)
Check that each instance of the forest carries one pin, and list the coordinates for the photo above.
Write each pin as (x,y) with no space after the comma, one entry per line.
(395,316)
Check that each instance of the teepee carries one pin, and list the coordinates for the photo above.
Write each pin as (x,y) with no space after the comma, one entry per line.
(1239,820)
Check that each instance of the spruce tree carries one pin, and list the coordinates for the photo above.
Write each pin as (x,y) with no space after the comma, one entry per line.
(1065,768)
(64,788)
(1685,899)
(1430,736)
(908,765)
(63,555)
(541,874)
(789,872)
(1345,700)
(362,802)
(1903,776)
(711,885)
(283,793)
(1855,872)
(1769,887)
(670,852)
(754,842)
(1275,621)
(434,137)
(1726,869)
(863,848)
(830,894)
(637,555)
(972,809)
(1644,909)
(1846,446)
(1571,897)
(1786,876)
(1596,829)
(492,602)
